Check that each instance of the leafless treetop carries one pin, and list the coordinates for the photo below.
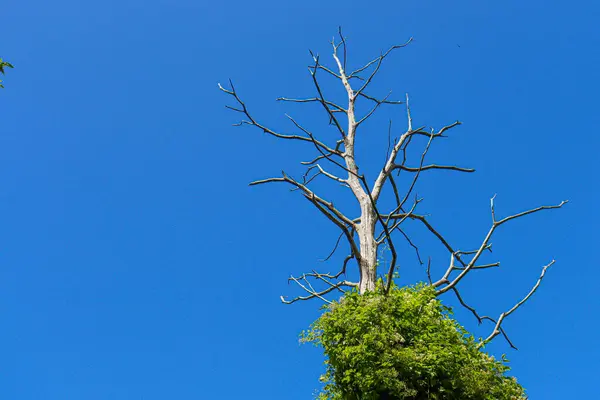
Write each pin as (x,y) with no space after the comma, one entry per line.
(374,227)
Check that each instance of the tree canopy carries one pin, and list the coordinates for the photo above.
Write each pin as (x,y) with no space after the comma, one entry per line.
(404,345)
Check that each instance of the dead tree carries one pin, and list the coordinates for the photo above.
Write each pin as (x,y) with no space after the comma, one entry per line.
(374,227)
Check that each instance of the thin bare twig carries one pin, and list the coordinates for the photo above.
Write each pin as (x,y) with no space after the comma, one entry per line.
(432,166)
(313,293)
(313,100)
(377,60)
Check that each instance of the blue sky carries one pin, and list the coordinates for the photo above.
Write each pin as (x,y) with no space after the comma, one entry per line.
(135,261)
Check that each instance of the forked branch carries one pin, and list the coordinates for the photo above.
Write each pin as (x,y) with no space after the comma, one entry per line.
(498,323)
(484,245)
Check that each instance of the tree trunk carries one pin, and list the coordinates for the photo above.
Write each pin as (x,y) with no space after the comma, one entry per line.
(368,247)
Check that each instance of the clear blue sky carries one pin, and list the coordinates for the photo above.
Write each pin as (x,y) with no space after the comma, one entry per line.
(136,263)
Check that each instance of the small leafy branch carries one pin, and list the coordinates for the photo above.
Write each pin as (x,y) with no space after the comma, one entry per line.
(4,64)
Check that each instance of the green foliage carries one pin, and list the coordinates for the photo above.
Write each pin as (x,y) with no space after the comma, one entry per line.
(404,346)
(4,64)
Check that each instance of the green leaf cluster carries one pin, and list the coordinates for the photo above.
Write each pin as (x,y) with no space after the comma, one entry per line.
(4,64)
(404,345)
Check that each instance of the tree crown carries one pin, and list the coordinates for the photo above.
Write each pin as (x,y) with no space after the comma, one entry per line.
(404,345)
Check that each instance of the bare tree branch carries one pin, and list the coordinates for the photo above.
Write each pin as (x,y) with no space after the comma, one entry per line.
(329,71)
(497,328)
(313,293)
(429,271)
(408,115)
(398,222)
(265,129)
(379,102)
(410,242)
(345,46)
(313,100)
(465,305)
(332,118)
(416,177)
(484,244)
(432,166)
(326,207)
(377,60)
(337,243)
(488,247)
(324,155)
(484,266)
(391,165)
(425,222)
(329,175)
